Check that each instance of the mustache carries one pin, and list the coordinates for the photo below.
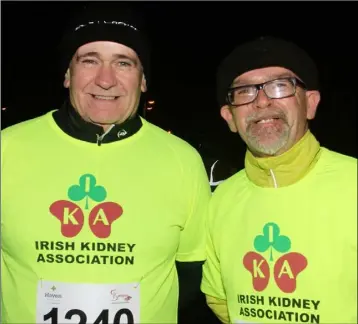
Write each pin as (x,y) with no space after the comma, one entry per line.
(254,118)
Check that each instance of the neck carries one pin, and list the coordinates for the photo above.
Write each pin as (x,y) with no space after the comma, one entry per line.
(68,119)
(287,168)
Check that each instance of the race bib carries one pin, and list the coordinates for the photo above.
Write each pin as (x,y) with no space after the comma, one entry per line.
(61,303)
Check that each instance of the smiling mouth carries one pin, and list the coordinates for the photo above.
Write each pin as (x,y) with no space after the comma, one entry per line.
(105,97)
(267,120)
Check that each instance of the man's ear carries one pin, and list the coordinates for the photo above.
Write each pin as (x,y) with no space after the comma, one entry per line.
(66,82)
(143,85)
(227,115)
(312,98)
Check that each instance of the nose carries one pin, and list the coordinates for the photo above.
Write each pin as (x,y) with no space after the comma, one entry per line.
(262,100)
(106,77)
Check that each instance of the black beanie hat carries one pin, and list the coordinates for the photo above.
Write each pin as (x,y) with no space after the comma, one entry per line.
(261,53)
(106,21)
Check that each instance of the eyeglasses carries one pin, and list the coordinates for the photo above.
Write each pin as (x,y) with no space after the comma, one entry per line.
(274,89)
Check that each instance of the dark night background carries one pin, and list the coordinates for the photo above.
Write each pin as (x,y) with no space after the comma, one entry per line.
(189,39)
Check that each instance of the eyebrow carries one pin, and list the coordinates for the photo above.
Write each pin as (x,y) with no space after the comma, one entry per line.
(271,77)
(115,56)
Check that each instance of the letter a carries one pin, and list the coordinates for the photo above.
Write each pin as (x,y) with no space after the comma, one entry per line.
(286,269)
(101,217)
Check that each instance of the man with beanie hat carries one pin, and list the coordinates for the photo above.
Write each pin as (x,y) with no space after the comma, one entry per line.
(101,210)
(270,224)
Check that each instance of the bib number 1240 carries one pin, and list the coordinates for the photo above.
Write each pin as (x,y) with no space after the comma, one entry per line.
(103,317)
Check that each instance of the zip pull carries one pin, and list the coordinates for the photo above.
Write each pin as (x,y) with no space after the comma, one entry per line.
(101,137)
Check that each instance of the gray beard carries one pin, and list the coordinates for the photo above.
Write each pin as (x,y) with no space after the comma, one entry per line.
(256,145)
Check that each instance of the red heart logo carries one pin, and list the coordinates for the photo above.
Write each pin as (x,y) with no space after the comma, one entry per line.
(286,270)
(70,215)
(102,216)
(257,265)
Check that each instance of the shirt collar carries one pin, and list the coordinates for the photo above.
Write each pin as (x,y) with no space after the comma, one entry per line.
(68,119)
(287,168)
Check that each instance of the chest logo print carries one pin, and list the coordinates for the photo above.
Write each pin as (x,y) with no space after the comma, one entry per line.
(285,266)
(72,216)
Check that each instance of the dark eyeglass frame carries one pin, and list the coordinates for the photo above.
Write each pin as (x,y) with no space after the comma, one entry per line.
(261,86)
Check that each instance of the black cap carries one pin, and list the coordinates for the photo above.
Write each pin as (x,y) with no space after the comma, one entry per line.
(106,22)
(265,52)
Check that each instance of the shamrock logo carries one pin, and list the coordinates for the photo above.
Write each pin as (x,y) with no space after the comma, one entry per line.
(286,268)
(87,189)
(271,239)
(72,217)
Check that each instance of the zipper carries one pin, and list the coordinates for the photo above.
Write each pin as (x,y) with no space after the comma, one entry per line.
(274,179)
(101,137)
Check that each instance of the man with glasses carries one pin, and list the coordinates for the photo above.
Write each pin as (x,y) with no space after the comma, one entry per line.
(282,233)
